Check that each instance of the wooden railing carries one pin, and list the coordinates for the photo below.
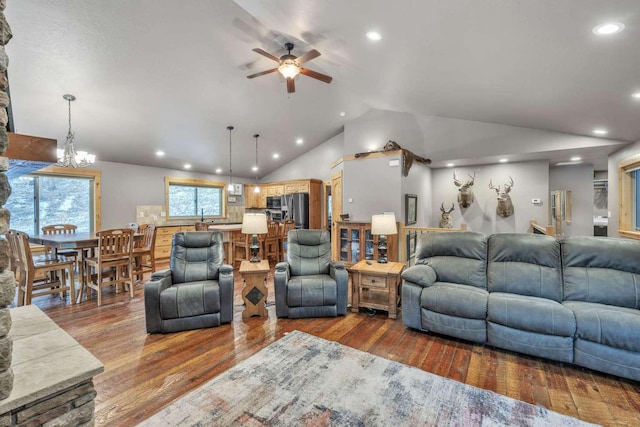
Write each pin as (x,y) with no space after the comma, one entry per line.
(408,237)
(535,228)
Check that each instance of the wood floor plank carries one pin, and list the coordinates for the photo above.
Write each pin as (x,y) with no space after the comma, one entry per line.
(144,373)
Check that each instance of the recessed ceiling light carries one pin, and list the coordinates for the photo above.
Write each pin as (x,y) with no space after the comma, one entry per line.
(450,165)
(575,158)
(276,156)
(600,131)
(219,170)
(608,28)
(299,141)
(187,166)
(254,169)
(635,95)
(160,153)
(343,113)
(503,160)
(374,35)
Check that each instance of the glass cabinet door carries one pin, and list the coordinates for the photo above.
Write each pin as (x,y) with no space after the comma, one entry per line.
(355,245)
(369,245)
(344,244)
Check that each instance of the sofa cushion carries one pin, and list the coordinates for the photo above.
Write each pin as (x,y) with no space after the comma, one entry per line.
(308,252)
(525,264)
(455,300)
(601,270)
(606,324)
(457,257)
(190,299)
(307,291)
(533,314)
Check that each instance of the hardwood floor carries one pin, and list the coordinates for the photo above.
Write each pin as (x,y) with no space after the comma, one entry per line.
(143,373)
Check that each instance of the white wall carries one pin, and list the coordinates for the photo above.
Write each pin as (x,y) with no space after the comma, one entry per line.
(531,180)
(418,182)
(313,164)
(579,180)
(614,160)
(126,186)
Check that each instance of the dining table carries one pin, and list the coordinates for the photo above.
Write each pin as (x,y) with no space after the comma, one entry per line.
(80,241)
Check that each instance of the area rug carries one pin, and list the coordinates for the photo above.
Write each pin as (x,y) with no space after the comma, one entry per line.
(302,380)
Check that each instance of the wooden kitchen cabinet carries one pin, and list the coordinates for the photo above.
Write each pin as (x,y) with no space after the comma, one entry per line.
(355,243)
(274,190)
(296,187)
(254,200)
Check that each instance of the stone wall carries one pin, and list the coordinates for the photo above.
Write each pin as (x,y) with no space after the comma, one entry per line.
(7,279)
(72,407)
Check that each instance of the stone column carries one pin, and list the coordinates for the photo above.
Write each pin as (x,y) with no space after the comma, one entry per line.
(7,279)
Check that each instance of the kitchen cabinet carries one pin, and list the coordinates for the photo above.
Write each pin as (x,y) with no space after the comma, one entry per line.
(274,190)
(254,200)
(355,243)
(164,236)
(296,187)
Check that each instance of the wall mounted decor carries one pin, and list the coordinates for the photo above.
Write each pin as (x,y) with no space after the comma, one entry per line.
(505,207)
(465,192)
(410,208)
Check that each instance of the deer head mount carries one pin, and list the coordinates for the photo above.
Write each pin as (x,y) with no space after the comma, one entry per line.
(445,220)
(505,207)
(465,193)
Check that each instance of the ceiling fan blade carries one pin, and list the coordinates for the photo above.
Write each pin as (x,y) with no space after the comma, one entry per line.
(308,56)
(316,75)
(291,86)
(262,73)
(267,54)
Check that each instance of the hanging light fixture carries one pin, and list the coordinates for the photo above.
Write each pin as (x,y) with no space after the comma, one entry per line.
(230,187)
(69,157)
(256,189)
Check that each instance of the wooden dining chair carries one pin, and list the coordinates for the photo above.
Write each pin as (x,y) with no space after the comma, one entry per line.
(112,262)
(33,273)
(287,225)
(240,248)
(271,242)
(61,229)
(144,248)
(133,226)
(201,226)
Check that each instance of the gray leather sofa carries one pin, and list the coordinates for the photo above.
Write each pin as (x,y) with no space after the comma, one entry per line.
(197,290)
(575,300)
(309,284)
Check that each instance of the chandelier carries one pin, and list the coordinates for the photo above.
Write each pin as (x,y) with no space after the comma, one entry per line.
(69,157)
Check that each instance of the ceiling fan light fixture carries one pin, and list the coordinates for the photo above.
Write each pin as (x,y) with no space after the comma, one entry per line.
(289,69)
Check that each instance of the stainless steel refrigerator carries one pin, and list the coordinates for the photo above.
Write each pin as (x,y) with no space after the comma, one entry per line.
(296,206)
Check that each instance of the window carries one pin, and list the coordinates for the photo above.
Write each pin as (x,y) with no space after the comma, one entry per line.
(629,197)
(53,198)
(191,198)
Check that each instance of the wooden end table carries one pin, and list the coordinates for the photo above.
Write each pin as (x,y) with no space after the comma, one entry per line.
(254,293)
(376,285)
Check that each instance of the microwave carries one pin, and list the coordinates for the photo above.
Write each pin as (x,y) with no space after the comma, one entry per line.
(274,202)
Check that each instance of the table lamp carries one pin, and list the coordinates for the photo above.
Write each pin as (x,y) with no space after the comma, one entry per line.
(382,225)
(254,223)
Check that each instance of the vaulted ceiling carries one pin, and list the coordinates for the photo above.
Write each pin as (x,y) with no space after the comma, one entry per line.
(171,76)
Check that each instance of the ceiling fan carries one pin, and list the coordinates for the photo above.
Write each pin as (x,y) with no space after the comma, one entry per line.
(290,66)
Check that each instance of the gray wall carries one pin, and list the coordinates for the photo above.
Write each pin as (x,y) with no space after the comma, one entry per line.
(313,164)
(531,180)
(578,179)
(126,186)
(418,182)
(614,160)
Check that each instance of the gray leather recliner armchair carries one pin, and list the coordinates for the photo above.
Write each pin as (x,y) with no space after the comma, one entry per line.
(196,292)
(309,284)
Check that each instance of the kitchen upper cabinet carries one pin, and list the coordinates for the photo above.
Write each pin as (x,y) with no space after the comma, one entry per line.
(274,190)
(296,187)
(254,200)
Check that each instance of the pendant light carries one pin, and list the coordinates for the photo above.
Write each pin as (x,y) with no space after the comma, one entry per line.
(256,189)
(69,157)
(230,187)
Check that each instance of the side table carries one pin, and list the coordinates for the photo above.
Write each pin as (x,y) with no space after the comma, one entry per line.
(254,293)
(375,286)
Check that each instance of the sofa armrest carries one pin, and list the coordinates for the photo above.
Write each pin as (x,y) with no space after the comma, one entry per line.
(280,280)
(225,281)
(160,281)
(422,275)
(341,276)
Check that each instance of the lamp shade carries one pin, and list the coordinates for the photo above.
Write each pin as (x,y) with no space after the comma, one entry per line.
(383,224)
(254,223)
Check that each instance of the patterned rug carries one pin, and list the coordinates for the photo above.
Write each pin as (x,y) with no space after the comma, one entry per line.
(301,380)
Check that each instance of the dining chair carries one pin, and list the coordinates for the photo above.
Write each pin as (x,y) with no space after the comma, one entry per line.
(270,242)
(133,226)
(241,247)
(143,248)
(61,229)
(111,262)
(33,273)
(287,225)
(201,226)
